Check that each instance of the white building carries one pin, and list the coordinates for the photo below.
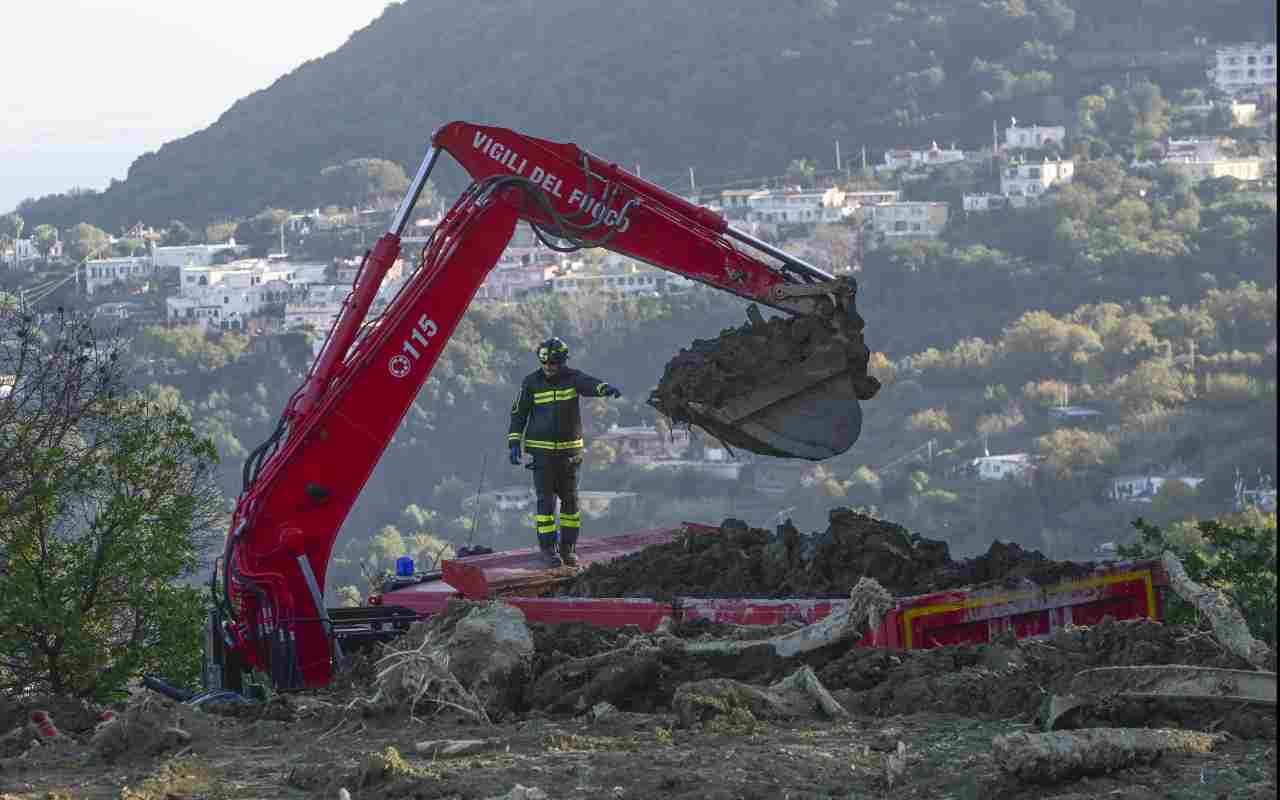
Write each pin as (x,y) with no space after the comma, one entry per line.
(639,282)
(1191,149)
(1034,136)
(20,253)
(795,206)
(195,255)
(856,200)
(984,202)
(1246,67)
(227,295)
(1009,465)
(508,498)
(315,306)
(906,157)
(515,281)
(1143,488)
(101,272)
(1020,182)
(907,218)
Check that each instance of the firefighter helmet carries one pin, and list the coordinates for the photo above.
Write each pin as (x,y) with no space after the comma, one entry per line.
(553,351)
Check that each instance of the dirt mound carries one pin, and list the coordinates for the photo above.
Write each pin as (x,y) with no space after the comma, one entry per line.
(752,562)
(761,356)
(1012,678)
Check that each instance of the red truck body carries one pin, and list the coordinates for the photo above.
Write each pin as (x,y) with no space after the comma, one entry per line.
(1121,590)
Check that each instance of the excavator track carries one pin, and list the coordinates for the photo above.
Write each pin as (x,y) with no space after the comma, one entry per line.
(786,386)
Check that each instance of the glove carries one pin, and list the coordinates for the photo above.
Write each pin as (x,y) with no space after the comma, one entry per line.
(610,391)
(515,453)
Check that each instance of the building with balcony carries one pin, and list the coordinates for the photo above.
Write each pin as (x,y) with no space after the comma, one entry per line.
(1033,136)
(1021,182)
(793,206)
(1244,68)
(905,218)
(102,272)
(909,158)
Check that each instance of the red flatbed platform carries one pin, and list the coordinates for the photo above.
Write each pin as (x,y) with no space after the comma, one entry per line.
(1121,590)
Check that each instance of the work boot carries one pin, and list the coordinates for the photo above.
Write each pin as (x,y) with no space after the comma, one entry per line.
(547,549)
(568,544)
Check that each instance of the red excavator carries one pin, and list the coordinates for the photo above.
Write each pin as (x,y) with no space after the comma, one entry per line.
(301,483)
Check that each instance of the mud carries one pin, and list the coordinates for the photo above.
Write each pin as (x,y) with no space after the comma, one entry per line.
(1014,678)
(764,354)
(752,562)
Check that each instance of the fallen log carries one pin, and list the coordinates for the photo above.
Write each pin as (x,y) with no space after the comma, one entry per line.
(1228,624)
(1047,758)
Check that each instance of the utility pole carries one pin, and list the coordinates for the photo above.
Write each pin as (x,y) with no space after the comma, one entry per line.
(837,155)
(693,187)
(864,156)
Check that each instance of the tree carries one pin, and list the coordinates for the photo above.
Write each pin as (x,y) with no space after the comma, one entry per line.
(262,232)
(801,171)
(85,241)
(105,501)
(45,236)
(364,181)
(177,233)
(10,228)
(218,232)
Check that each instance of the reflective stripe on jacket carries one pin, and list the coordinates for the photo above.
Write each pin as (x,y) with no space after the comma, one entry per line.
(546,416)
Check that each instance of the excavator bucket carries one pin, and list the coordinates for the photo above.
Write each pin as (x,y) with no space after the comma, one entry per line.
(787,387)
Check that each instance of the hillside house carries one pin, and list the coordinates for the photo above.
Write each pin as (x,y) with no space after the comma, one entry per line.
(733,203)
(791,206)
(1017,466)
(515,281)
(102,272)
(596,504)
(645,444)
(508,498)
(1033,136)
(1244,67)
(1021,182)
(909,158)
(22,253)
(1138,488)
(984,202)
(226,296)
(196,255)
(1243,169)
(905,218)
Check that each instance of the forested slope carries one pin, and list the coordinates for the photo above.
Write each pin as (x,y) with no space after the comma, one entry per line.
(734,89)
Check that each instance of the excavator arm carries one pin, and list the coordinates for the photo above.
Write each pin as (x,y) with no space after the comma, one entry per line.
(300,485)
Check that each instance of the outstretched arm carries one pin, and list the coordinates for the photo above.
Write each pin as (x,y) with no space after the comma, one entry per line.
(594,387)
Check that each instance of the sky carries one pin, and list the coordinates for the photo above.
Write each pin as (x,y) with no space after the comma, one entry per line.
(90,85)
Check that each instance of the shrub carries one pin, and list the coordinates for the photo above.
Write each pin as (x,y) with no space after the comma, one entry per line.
(1238,560)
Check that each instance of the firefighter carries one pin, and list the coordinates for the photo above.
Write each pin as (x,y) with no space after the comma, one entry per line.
(547,420)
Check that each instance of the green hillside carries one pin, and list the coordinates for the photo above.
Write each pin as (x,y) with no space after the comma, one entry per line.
(734,89)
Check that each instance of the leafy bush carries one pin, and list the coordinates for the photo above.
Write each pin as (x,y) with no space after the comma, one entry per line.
(1239,560)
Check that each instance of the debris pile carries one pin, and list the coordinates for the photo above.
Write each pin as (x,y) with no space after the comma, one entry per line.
(752,562)
(797,361)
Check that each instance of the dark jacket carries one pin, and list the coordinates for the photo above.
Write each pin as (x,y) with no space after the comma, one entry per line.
(546,415)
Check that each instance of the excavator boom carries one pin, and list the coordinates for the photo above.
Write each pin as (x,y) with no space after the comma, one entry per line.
(300,485)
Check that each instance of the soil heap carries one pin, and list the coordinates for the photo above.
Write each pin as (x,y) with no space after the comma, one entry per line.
(753,562)
(764,354)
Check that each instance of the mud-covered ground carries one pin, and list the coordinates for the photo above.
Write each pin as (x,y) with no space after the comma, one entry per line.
(944,705)
(740,561)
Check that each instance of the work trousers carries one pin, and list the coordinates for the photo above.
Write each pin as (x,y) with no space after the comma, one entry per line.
(556,476)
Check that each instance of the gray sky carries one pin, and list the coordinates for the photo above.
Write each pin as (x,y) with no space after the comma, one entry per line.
(93,84)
